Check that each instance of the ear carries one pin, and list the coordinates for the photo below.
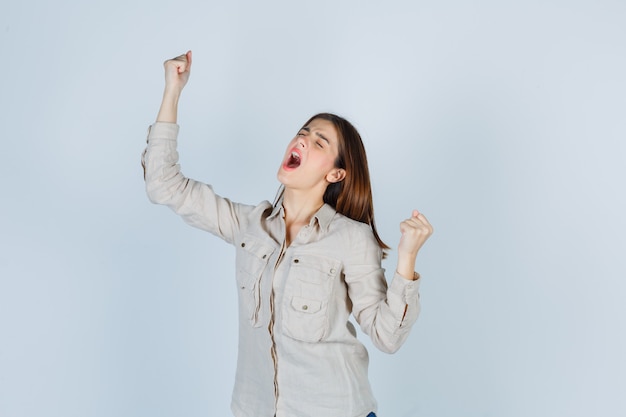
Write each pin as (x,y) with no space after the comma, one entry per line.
(336,175)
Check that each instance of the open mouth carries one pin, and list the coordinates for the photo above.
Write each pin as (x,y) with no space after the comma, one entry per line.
(293,161)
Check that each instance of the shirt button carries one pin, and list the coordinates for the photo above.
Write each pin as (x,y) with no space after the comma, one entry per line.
(295,261)
(243,245)
(305,307)
(332,270)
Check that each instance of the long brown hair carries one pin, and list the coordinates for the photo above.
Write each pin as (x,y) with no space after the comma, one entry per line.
(352,196)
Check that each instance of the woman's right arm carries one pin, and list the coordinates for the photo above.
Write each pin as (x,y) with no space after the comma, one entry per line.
(193,200)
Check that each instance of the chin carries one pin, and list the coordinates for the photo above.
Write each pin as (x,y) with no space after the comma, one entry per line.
(281,176)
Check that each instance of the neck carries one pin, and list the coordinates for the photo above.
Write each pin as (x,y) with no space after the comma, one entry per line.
(300,207)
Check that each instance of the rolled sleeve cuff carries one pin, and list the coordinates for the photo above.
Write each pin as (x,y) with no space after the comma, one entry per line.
(163,131)
(405,293)
(405,289)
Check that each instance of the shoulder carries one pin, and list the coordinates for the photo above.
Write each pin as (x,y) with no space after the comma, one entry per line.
(355,244)
(261,211)
(357,235)
(353,226)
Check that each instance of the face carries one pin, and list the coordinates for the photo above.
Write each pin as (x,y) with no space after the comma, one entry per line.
(309,161)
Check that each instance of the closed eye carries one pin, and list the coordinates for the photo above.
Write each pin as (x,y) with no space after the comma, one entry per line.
(323,138)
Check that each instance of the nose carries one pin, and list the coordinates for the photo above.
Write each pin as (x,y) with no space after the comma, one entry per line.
(302,142)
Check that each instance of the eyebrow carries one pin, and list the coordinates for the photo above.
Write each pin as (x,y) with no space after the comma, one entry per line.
(308,130)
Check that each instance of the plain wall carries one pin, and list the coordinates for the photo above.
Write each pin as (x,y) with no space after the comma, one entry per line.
(504,122)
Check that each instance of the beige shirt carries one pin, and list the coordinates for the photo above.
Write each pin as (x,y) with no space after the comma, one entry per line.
(298,352)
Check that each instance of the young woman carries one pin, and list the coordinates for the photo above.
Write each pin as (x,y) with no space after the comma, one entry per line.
(304,264)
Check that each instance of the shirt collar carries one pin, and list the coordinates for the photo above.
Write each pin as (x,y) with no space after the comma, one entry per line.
(323,216)
(278,209)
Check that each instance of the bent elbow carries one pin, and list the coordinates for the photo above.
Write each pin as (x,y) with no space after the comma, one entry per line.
(389,344)
(155,195)
(389,349)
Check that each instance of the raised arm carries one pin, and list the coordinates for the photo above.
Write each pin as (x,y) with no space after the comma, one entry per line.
(176,76)
(385,313)
(194,201)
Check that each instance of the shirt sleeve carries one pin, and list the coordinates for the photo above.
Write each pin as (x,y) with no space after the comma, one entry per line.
(385,312)
(194,201)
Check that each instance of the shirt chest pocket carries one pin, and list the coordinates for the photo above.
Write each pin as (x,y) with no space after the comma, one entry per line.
(252,257)
(307,296)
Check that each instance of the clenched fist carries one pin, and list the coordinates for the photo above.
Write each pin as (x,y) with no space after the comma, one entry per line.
(177,72)
(415,230)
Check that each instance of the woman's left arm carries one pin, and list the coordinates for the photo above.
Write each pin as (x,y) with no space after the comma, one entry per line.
(386,312)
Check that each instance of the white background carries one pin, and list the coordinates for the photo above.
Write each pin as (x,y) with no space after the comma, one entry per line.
(504,122)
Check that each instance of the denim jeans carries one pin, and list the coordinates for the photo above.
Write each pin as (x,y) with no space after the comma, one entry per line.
(371,415)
